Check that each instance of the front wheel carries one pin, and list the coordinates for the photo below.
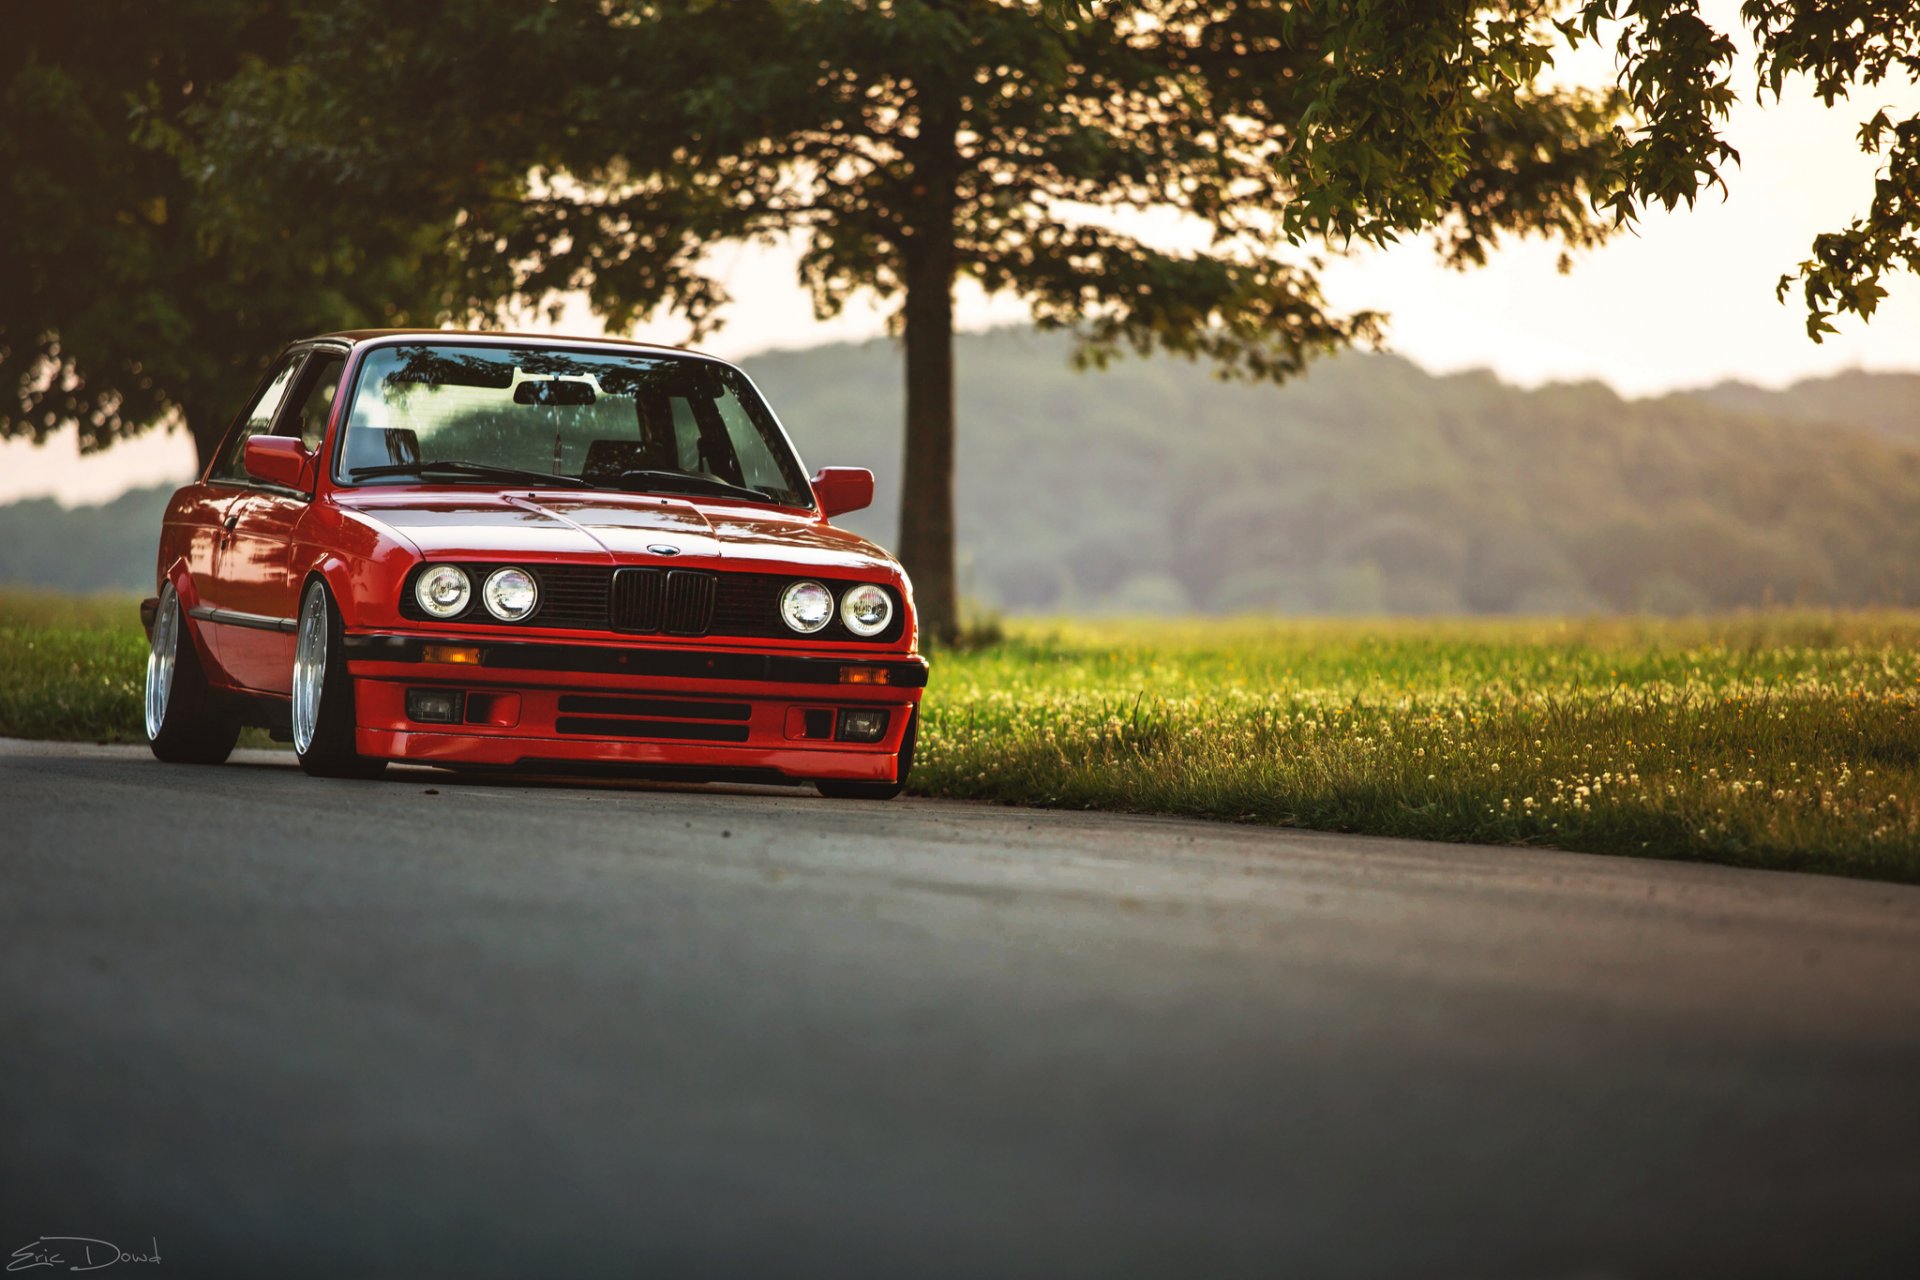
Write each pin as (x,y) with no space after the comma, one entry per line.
(185,722)
(323,693)
(841,789)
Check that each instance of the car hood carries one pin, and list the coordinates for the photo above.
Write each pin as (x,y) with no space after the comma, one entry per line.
(612,527)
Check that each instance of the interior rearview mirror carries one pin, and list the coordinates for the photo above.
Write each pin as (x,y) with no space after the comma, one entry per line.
(546,391)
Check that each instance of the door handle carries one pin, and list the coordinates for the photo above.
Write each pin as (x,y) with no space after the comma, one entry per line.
(232,520)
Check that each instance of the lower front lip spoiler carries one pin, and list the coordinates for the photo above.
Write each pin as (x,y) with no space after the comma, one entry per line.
(679,664)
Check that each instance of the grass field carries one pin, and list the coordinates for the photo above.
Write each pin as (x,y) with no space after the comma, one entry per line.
(1774,740)
(71,667)
(1777,740)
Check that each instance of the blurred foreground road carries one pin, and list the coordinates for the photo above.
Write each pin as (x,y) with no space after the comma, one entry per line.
(429,1027)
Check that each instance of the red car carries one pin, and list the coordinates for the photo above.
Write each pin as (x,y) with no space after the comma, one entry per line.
(495,550)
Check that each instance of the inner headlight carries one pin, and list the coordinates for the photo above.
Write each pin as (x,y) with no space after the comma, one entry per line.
(806,606)
(866,609)
(510,594)
(443,590)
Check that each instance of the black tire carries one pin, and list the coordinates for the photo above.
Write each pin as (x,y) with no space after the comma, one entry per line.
(186,722)
(329,753)
(841,789)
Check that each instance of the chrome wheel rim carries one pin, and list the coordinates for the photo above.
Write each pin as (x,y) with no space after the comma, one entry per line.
(309,668)
(160,660)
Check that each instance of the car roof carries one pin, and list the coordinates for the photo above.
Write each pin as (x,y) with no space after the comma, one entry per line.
(354,337)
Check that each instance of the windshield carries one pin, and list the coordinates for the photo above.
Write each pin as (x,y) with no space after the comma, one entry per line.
(506,415)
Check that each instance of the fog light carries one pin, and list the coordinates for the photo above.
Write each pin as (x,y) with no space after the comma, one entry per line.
(450,653)
(862,725)
(436,706)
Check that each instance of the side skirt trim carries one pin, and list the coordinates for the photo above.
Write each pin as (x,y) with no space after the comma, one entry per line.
(235,618)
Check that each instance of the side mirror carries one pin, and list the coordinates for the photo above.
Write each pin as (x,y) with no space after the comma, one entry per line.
(280,460)
(841,489)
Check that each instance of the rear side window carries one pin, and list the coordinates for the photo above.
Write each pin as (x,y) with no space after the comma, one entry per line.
(258,421)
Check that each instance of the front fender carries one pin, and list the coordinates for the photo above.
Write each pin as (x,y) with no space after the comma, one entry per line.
(362,563)
(362,590)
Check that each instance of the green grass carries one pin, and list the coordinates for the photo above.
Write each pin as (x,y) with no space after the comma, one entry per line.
(1771,740)
(71,667)
(1786,740)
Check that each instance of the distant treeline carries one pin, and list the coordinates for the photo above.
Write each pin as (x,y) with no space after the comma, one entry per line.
(1370,486)
(110,547)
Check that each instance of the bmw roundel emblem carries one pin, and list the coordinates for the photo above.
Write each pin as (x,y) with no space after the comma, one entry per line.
(663,549)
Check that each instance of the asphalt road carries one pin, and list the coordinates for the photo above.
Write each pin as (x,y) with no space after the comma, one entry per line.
(425,1026)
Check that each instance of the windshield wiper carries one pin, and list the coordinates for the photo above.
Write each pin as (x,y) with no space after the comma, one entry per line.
(478,470)
(686,483)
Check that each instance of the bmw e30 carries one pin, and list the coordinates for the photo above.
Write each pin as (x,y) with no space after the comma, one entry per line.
(495,550)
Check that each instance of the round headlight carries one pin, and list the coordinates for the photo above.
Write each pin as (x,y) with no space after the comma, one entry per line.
(443,590)
(866,609)
(510,594)
(806,606)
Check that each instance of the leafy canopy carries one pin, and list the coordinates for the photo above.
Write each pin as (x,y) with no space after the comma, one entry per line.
(1677,69)
(607,147)
(188,184)
(134,295)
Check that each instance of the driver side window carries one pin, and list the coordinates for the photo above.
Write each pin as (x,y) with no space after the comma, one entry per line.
(308,415)
(258,420)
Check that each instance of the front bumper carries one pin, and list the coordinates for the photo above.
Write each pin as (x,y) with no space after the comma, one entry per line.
(682,710)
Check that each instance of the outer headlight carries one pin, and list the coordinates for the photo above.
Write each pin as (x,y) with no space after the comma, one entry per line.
(866,609)
(443,590)
(806,606)
(510,594)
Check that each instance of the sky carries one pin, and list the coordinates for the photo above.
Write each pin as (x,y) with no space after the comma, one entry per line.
(1685,301)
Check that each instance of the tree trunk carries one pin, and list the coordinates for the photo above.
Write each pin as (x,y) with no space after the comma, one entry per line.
(926,495)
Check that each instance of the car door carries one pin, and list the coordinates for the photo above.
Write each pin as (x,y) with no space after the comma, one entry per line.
(229,487)
(261,580)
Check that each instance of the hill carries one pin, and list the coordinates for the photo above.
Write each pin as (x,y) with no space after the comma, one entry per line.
(1372,486)
(108,547)
(1368,486)
(1887,404)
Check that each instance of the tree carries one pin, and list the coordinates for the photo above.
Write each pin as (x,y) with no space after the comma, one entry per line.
(1677,70)
(133,298)
(607,147)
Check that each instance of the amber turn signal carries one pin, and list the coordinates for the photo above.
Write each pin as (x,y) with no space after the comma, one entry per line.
(863,675)
(450,653)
